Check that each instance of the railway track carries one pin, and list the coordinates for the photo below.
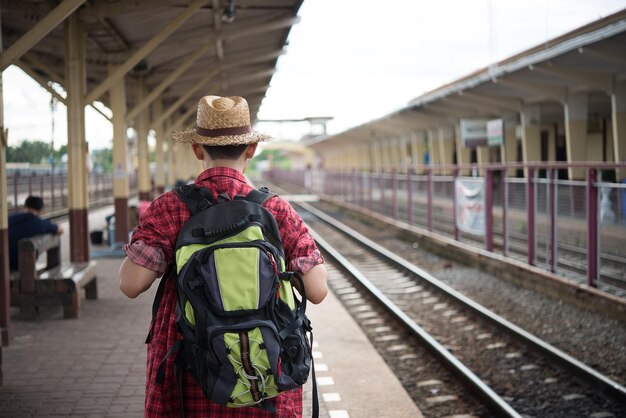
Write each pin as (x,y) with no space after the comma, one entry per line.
(514,372)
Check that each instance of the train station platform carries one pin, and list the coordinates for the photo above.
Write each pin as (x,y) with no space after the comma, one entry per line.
(94,366)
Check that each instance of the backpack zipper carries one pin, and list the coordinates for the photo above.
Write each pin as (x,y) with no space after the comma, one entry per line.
(247,366)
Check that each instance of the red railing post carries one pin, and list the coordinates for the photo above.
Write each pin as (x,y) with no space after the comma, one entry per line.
(455,225)
(489,209)
(394,198)
(592,228)
(382,191)
(16,205)
(429,202)
(552,204)
(371,190)
(52,188)
(505,220)
(530,213)
(409,196)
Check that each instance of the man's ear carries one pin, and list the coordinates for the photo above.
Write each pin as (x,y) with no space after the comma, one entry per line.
(251,150)
(198,151)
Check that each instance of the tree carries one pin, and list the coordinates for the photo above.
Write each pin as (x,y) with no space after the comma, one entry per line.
(102,160)
(34,152)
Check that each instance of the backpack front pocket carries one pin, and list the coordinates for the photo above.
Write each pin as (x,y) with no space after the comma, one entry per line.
(249,357)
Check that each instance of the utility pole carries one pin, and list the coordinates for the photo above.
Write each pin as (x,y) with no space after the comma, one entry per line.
(53,108)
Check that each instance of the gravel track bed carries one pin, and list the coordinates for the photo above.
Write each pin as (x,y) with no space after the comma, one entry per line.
(594,339)
(422,375)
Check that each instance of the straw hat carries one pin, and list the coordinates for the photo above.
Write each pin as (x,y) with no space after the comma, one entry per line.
(221,121)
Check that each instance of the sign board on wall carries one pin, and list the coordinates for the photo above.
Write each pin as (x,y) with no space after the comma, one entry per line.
(470,204)
(473,132)
(495,132)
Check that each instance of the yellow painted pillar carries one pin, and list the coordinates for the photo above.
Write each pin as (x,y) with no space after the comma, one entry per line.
(121,186)
(75,82)
(618,119)
(365,157)
(144,185)
(398,161)
(531,135)
(509,147)
(420,146)
(404,155)
(551,141)
(433,147)
(482,156)
(446,147)
(375,156)
(576,132)
(160,166)
(463,154)
(6,328)
(172,152)
(386,154)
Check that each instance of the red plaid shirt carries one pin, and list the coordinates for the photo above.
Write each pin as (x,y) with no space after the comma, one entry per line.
(152,246)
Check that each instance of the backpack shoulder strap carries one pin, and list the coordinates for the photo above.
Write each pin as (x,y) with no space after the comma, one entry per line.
(259,195)
(196,198)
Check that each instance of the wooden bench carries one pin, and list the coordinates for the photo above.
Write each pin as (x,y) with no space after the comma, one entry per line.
(52,283)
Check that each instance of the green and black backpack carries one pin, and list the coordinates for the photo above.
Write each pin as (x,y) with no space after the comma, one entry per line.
(244,329)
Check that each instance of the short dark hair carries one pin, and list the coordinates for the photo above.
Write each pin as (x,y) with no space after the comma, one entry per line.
(228,152)
(34,202)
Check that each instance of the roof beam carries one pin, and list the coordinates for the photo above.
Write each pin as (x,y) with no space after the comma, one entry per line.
(173,76)
(38,32)
(39,79)
(148,47)
(470,105)
(99,9)
(606,53)
(501,103)
(547,91)
(208,77)
(604,83)
(28,69)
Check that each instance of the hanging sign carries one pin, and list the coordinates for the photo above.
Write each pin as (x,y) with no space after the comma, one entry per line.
(495,132)
(470,204)
(473,132)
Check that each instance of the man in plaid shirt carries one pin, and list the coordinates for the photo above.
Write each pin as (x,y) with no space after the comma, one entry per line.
(224,141)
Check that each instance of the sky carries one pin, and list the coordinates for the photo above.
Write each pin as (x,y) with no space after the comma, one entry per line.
(354,60)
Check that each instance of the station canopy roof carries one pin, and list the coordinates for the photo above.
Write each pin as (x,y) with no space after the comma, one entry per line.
(184,49)
(587,60)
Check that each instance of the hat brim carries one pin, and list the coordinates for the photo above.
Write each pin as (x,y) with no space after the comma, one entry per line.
(190,136)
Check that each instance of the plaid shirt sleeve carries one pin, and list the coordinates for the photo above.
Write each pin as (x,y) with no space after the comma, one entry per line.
(300,248)
(153,240)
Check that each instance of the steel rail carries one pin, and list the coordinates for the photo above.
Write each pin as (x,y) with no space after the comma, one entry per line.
(493,401)
(586,373)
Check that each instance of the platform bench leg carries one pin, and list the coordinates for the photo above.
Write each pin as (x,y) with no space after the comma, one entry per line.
(91,290)
(71,310)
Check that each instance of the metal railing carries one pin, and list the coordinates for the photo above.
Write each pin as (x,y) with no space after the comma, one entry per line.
(570,227)
(53,189)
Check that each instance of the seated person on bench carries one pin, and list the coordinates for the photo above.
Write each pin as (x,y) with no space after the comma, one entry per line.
(28,224)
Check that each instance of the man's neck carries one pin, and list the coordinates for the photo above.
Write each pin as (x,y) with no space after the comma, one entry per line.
(238,164)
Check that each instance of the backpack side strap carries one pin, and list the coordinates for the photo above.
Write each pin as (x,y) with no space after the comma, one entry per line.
(196,198)
(259,195)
